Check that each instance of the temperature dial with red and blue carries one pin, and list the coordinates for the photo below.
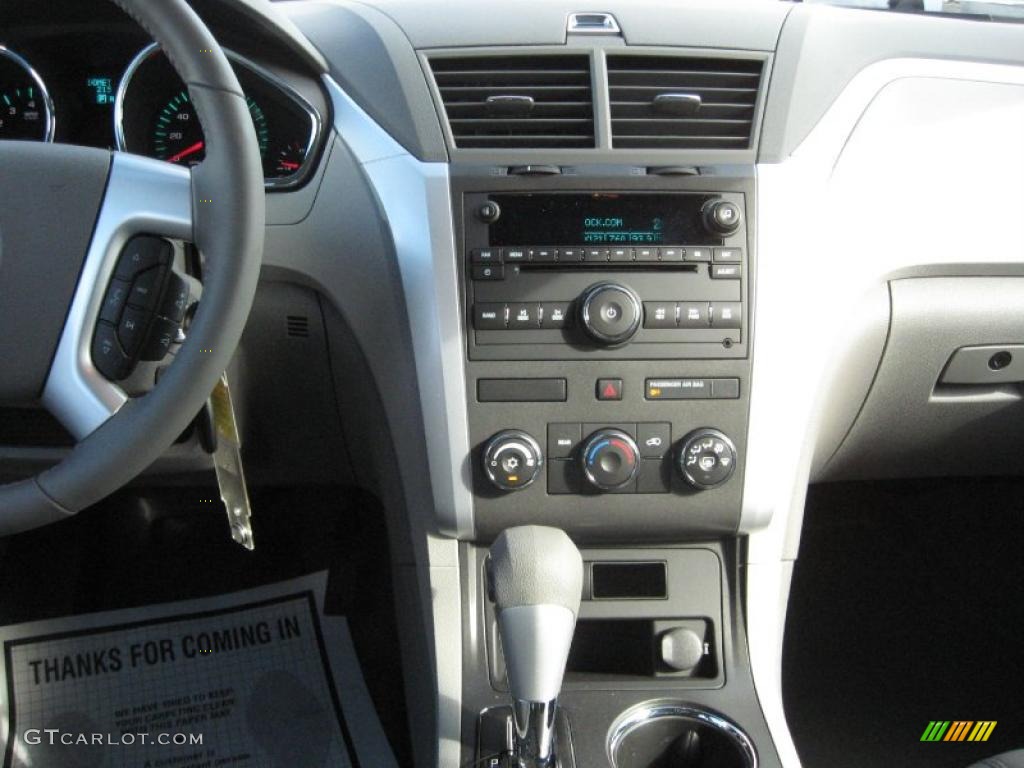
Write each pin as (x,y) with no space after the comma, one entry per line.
(610,459)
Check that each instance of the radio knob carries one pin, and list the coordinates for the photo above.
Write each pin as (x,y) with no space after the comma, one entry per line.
(512,460)
(610,313)
(610,459)
(721,217)
(706,459)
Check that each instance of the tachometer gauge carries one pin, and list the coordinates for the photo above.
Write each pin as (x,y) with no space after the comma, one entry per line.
(178,137)
(26,111)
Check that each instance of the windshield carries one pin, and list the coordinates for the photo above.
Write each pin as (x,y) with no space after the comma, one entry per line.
(995,10)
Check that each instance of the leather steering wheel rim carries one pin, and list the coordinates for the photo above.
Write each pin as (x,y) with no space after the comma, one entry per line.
(227,216)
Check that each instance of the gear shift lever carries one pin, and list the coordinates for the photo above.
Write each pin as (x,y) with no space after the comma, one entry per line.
(536,580)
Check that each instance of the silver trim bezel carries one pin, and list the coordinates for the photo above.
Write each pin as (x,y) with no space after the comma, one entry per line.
(143,196)
(51,114)
(646,712)
(610,27)
(274,182)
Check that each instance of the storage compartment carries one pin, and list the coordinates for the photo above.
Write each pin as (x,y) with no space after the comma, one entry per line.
(947,398)
(669,734)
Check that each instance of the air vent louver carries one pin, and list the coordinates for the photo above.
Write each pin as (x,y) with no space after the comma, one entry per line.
(673,102)
(517,102)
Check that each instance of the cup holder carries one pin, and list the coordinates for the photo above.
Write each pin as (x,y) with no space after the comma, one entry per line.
(669,734)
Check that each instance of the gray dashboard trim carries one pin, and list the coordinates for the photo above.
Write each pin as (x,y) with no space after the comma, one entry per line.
(416,199)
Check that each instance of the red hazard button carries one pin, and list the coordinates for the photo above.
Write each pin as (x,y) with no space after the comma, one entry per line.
(609,389)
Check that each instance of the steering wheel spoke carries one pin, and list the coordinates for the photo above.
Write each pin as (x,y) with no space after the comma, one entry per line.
(144,198)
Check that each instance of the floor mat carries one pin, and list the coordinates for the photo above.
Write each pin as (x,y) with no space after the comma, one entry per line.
(254,678)
(906,607)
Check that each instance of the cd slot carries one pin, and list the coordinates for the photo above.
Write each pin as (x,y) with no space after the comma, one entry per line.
(605,267)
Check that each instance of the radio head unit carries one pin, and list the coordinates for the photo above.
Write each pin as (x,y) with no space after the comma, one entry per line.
(634,275)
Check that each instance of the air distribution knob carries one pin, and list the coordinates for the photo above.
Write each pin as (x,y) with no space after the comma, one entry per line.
(706,458)
(512,460)
(610,459)
(721,217)
(610,313)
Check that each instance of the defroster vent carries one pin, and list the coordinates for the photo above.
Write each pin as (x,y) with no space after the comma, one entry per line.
(517,102)
(676,102)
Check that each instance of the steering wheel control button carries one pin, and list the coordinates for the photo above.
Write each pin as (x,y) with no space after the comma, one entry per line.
(145,289)
(707,458)
(563,439)
(175,298)
(142,253)
(610,459)
(512,460)
(609,389)
(728,314)
(721,217)
(131,330)
(114,301)
(158,342)
(610,313)
(107,355)
(659,314)
(654,439)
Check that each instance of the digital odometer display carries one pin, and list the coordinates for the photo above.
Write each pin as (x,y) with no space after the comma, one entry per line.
(605,219)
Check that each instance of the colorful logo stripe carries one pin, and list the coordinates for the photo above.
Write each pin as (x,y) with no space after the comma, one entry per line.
(958,730)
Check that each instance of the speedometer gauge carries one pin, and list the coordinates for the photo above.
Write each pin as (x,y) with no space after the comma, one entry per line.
(26,111)
(178,137)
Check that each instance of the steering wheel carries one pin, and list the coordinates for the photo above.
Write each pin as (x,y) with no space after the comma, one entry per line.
(67,226)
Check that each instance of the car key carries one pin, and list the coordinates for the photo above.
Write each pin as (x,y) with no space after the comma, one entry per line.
(227,461)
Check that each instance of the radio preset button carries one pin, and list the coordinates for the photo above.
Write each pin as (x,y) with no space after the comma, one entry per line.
(727,314)
(646,254)
(671,254)
(489,317)
(570,254)
(621,254)
(488,272)
(595,254)
(693,314)
(543,254)
(659,314)
(697,254)
(516,255)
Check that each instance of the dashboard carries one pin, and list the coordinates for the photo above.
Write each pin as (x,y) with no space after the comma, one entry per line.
(109,87)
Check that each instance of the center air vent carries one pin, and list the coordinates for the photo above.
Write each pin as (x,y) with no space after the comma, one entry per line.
(520,102)
(673,102)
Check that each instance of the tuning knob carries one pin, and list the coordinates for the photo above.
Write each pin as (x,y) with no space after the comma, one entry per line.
(721,217)
(610,313)
(610,459)
(706,458)
(512,460)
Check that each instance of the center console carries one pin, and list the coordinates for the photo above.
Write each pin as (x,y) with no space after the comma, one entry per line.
(607,329)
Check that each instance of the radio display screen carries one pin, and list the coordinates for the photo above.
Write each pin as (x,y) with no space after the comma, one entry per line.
(600,218)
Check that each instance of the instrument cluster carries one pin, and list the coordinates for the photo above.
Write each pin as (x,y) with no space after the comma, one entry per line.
(96,99)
